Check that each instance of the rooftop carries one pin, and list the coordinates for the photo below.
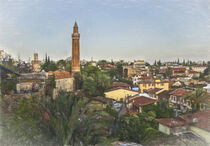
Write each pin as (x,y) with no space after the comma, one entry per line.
(200,119)
(172,122)
(60,74)
(142,101)
(154,90)
(179,92)
(120,84)
(121,88)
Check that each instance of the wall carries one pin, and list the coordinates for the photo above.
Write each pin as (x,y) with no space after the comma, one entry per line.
(66,84)
(164,129)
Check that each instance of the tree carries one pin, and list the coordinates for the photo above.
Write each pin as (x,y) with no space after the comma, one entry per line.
(62,121)
(52,66)
(78,81)
(207,70)
(37,123)
(8,87)
(169,72)
(147,64)
(197,98)
(155,63)
(133,126)
(183,63)
(159,63)
(95,82)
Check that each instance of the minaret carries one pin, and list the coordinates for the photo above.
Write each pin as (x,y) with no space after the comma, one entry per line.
(75,50)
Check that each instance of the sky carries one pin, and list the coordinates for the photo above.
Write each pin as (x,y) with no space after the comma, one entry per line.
(109,29)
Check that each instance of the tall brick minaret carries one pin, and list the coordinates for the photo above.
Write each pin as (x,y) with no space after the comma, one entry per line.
(75,50)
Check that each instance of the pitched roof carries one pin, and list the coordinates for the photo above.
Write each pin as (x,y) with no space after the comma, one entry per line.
(141,101)
(118,88)
(193,72)
(164,94)
(203,118)
(60,74)
(101,99)
(120,84)
(172,122)
(179,92)
(179,69)
(154,90)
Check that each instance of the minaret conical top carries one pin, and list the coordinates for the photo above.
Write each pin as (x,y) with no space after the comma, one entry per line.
(75,24)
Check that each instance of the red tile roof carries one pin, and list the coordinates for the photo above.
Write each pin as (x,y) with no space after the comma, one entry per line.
(141,101)
(154,90)
(179,92)
(164,94)
(203,120)
(179,69)
(193,72)
(172,122)
(120,84)
(60,74)
(146,78)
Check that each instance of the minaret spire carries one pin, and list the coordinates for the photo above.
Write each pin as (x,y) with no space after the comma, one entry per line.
(75,50)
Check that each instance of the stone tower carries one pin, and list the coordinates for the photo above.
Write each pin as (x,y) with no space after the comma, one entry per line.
(75,50)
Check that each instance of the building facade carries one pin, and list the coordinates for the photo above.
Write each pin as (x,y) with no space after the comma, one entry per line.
(36,63)
(154,83)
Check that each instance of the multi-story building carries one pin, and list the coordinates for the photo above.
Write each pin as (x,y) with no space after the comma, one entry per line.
(179,71)
(153,83)
(64,82)
(199,68)
(137,68)
(178,99)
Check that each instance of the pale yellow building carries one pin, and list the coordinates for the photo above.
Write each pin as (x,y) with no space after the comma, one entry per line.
(151,84)
(119,94)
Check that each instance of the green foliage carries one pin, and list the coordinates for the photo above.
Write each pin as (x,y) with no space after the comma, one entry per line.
(133,127)
(10,65)
(168,72)
(111,111)
(52,81)
(161,110)
(94,128)
(201,76)
(54,121)
(125,81)
(153,134)
(57,122)
(207,70)
(8,86)
(95,82)
(78,81)
(197,97)
(159,63)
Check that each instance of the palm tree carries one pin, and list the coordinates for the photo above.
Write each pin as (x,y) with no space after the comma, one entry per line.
(62,121)
(197,98)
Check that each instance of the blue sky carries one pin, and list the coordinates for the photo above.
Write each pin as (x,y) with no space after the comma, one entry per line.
(110,29)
